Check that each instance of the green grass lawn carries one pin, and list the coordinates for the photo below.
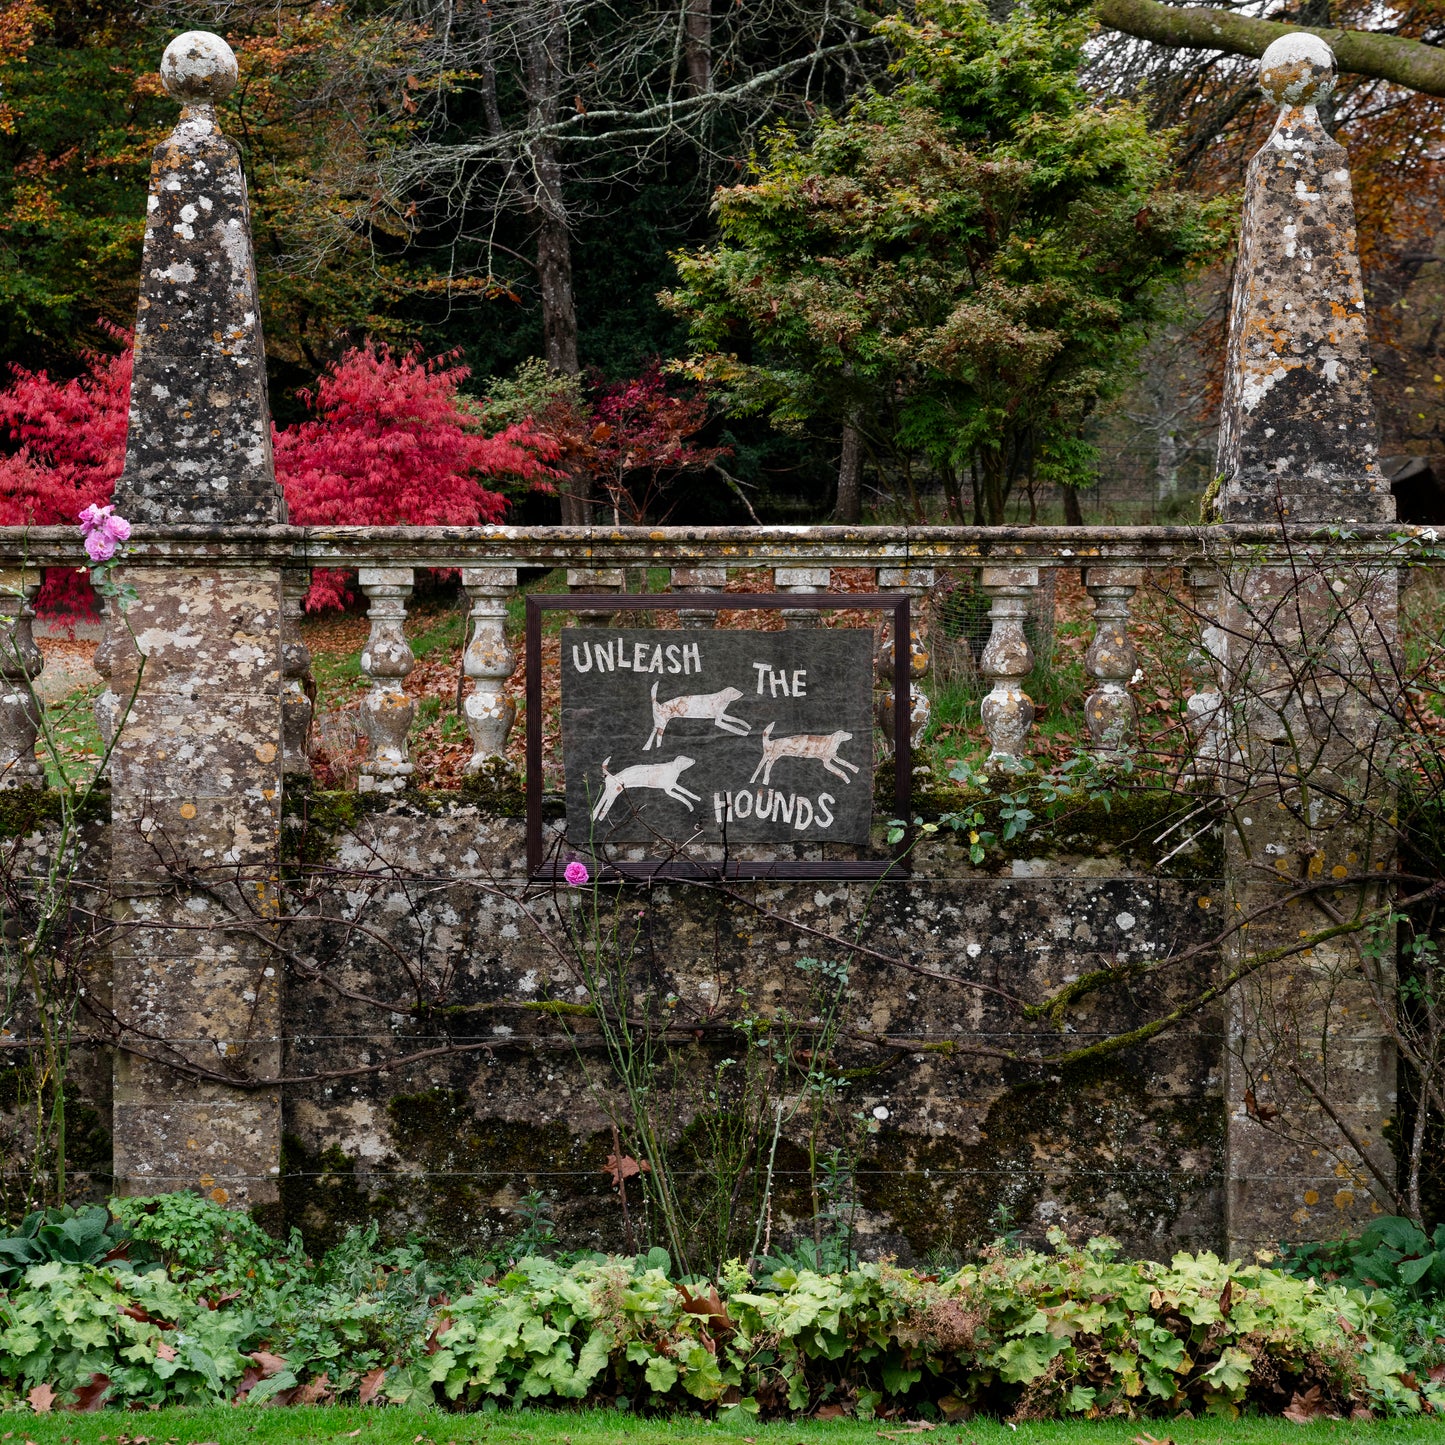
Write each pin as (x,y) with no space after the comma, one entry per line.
(262,1426)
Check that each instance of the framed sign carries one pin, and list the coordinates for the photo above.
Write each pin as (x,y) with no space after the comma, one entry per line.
(717,739)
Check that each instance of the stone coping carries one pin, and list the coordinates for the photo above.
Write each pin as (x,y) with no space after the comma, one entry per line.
(890,547)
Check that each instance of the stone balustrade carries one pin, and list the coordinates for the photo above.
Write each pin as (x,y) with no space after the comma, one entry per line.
(1011,567)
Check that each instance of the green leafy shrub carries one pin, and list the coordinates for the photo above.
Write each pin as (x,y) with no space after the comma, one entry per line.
(1393,1253)
(1075,1332)
(71,1236)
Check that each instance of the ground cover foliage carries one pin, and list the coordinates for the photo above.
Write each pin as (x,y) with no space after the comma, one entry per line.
(195,1305)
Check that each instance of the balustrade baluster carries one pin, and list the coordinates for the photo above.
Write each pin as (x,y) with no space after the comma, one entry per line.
(1111,659)
(594,579)
(298,691)
(1203,717)
(21,662)
(1008,711)
(801,579)
(489,661)
(107,706)
(697,579)
(386,711)
(917,582)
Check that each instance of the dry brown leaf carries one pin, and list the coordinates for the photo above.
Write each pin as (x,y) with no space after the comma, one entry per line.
(268,1364)
(370,1384)
(1305,1408)
(623,1166)
(92,1396)
(41,1398)
(164,1351)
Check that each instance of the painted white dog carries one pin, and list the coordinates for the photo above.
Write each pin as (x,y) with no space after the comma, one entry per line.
(644,775)
(822,746)
(712,705)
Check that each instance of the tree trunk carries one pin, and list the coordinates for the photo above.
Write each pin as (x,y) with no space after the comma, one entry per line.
(1166,464)
(559,309)
(548,207)
(1073,513)
(697,31)
(850,476)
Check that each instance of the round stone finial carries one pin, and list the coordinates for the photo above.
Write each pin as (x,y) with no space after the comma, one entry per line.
(1297,69)
(198,67)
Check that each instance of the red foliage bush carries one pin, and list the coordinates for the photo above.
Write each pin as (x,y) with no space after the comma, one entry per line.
(71,437)
(391,443)
(641,442)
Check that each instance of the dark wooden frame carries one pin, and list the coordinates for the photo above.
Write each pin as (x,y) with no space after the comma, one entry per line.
(895,602)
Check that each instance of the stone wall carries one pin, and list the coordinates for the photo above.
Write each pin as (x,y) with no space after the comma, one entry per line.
(1131,1144)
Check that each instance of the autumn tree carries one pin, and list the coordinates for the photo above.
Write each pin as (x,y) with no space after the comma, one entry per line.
(962,267)
(536,110)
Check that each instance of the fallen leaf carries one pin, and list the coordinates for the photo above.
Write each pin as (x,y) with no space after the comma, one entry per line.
(1362,1412)
(1152,1440)
(952,1409)
(370,1384)
(1304,1408)
(164,1351)
(40,1399)
(829,1412)
(1226,1299)
(709,1306)
(92,1396)
(352,1434)
(268,1364)
(313,1392)
(1263,1112)
(623,1166)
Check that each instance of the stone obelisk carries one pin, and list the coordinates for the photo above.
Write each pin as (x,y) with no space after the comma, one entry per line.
(196,685)
(1306,638)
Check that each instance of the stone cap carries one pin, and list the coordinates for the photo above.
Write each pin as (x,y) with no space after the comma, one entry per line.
(199,68)
(1297,69)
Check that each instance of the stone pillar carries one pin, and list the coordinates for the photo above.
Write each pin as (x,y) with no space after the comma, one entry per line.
(197,768)
(1309,1071)
(595,579)
(387,712)
(1111,660)
(917,582)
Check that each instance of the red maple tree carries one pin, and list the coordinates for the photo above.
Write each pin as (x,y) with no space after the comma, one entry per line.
(391,443)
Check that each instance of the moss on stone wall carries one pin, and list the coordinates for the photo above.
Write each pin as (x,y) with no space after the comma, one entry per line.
(497,790)
(1130,824)
(455,1178)
(1075,1140)
(26,810)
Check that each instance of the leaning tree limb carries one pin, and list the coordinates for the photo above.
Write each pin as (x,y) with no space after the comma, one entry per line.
(1413,64)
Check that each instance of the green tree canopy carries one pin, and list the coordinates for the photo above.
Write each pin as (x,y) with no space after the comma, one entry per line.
(962,267)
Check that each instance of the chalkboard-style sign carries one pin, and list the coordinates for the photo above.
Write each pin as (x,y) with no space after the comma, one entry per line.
(712,736)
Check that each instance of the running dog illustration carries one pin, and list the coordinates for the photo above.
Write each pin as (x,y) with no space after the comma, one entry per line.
(712,705)
(644,775)
(822,746)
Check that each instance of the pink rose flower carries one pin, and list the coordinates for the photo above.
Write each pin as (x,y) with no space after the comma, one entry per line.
(576,873)
(99,545)
(93,517)
(103,532)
